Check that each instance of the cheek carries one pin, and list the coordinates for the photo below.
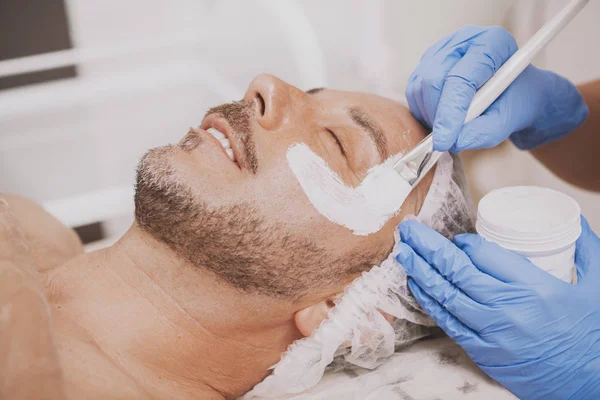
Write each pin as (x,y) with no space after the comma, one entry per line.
(212,178)
(275,188)
(277,192)
(279,196)
(411,206)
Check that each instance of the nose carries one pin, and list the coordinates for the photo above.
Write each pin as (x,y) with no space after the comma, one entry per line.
(274,100)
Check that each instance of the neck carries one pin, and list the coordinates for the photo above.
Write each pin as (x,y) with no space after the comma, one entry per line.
(177,328)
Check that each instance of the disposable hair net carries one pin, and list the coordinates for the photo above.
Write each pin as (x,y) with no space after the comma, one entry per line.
(356,331)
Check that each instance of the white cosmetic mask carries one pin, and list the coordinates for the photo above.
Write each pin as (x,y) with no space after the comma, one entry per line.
(363,210)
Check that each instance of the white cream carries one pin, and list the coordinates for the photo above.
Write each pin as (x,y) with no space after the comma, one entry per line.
(364,209)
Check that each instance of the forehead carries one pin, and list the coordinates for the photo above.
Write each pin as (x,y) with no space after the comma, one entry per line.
(401,129)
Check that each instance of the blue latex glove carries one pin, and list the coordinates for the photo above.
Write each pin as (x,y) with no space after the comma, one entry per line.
(539,106)
(536,335)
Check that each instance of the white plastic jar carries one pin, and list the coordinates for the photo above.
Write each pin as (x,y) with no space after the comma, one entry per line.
(538,223)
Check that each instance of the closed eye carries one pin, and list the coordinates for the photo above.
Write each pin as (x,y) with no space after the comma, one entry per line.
(337,140)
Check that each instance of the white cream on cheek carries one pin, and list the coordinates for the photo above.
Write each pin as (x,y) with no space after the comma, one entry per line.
(363,210)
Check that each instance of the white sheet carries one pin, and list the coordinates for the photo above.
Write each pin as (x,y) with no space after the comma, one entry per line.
(430,369)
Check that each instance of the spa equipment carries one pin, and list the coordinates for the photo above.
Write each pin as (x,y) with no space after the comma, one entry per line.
(413,166)
(538,223)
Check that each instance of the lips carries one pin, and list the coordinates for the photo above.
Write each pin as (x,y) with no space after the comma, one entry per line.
(191,140)
(220,130)
(220,136)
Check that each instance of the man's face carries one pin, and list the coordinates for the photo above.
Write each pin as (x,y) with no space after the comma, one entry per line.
(249,220)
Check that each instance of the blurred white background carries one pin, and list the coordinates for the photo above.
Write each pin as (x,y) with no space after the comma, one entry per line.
(147,70)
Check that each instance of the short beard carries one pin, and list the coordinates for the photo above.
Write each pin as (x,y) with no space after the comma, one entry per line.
(234,242)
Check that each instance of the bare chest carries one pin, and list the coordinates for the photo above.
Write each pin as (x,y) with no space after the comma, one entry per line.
(87,372)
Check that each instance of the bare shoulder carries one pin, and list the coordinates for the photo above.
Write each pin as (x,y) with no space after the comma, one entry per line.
(50,242)
(28,362)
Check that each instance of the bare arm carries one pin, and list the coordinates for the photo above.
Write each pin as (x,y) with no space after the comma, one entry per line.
(28,361)
(576,158)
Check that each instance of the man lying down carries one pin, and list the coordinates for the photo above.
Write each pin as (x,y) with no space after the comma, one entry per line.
(227,264)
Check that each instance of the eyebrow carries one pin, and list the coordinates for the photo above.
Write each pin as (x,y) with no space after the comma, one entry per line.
(364,120)
(315,90)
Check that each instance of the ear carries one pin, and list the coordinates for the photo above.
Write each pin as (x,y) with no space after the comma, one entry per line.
(308,319)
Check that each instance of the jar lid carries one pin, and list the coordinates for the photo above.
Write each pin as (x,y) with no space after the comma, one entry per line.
(529,219)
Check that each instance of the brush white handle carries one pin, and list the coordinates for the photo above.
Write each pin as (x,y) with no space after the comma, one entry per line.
(511,69)
(417,162)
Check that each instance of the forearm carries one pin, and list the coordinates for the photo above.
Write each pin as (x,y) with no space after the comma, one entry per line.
(574,158)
